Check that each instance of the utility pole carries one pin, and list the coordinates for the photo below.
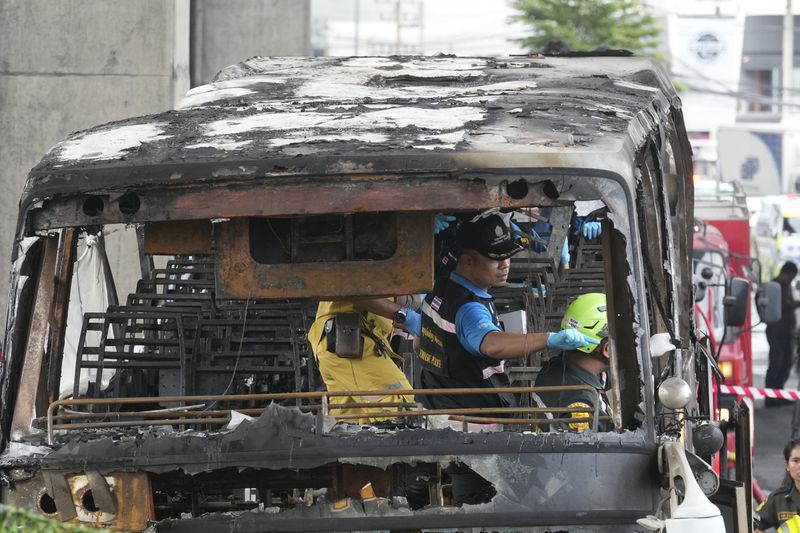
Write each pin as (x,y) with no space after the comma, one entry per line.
(788,61)
(357,22)
(421,24)
(402,20)
(398,11)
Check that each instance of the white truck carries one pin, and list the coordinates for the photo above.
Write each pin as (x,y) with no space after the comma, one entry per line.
(764,157)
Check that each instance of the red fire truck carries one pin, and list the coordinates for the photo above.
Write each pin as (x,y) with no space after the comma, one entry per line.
(722,247)
(722,252)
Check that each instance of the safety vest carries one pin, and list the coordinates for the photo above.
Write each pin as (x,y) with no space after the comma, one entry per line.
(790,526)
(447,363)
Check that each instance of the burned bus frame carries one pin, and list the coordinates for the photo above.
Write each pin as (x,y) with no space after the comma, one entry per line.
(277,138)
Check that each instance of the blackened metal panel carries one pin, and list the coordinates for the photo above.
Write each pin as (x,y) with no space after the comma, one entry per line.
(277,197)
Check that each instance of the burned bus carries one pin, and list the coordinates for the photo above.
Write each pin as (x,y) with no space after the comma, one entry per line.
(157,367)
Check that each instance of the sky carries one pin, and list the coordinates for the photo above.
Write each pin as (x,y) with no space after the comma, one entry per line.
(464,27)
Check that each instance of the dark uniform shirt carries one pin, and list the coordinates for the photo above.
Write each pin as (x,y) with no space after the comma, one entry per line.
(788,322)
(560,371)
(448,358)
(782,504)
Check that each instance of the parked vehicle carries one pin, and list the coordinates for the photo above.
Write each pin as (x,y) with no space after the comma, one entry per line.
(287,181)
(722,244)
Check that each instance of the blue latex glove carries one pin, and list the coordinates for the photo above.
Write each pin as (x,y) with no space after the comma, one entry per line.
(569,339)
(441,222)
(413,323)
(538,246)
(591,230)
(517,232)
(565,252)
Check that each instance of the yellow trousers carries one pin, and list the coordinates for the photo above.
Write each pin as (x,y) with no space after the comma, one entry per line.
(371,372)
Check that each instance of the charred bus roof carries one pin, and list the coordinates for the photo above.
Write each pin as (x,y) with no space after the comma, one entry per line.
(302,121)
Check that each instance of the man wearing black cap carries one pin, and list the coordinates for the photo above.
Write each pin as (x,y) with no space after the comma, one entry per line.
(462,344)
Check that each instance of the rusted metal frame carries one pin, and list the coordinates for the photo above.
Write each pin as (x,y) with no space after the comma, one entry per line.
(276,197)
(72,415)
(621,337)
(469,410)
(66,265)
(316,394)
(58,488)
(559,220)
(134,423)
(669,256)
(283,396)
(681,151)
(515,421)
(36,344)
(174,237)
(475,412)
(408,271)
(101,492)
(350,405)
(146,264)
(652,252)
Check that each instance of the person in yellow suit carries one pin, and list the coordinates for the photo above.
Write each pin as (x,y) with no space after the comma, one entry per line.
(375,367)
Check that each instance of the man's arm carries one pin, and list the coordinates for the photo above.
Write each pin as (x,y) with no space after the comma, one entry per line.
(480,336)
(387,308)
(379,306)
(501,345)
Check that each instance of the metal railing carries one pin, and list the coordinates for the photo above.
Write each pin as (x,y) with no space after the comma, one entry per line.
(198,409)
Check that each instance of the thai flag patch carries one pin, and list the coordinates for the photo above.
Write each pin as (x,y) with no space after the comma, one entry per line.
(436,303)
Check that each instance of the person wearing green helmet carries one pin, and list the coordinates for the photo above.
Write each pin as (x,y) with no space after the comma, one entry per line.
(580,366)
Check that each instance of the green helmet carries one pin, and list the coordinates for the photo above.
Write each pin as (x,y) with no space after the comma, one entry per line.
(587,314)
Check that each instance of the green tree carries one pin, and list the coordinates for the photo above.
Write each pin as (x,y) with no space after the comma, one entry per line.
(584,25)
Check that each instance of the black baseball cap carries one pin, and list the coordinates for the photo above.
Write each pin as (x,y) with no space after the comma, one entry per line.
(489,235)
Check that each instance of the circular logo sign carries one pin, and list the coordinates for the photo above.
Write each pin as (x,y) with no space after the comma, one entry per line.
(707,46)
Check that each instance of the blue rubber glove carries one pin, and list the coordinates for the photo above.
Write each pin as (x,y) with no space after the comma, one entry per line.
(441,222)
(517,232)
(569,339)
(591,230)
(538,246)
(565,252)
(413,323)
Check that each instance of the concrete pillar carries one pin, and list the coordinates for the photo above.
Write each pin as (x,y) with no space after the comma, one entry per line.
(67,65)
(225,32)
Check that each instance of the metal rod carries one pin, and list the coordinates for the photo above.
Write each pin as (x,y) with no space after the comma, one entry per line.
(511,421)
(465,411)
(323,396)
(75,415)
(127,423)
